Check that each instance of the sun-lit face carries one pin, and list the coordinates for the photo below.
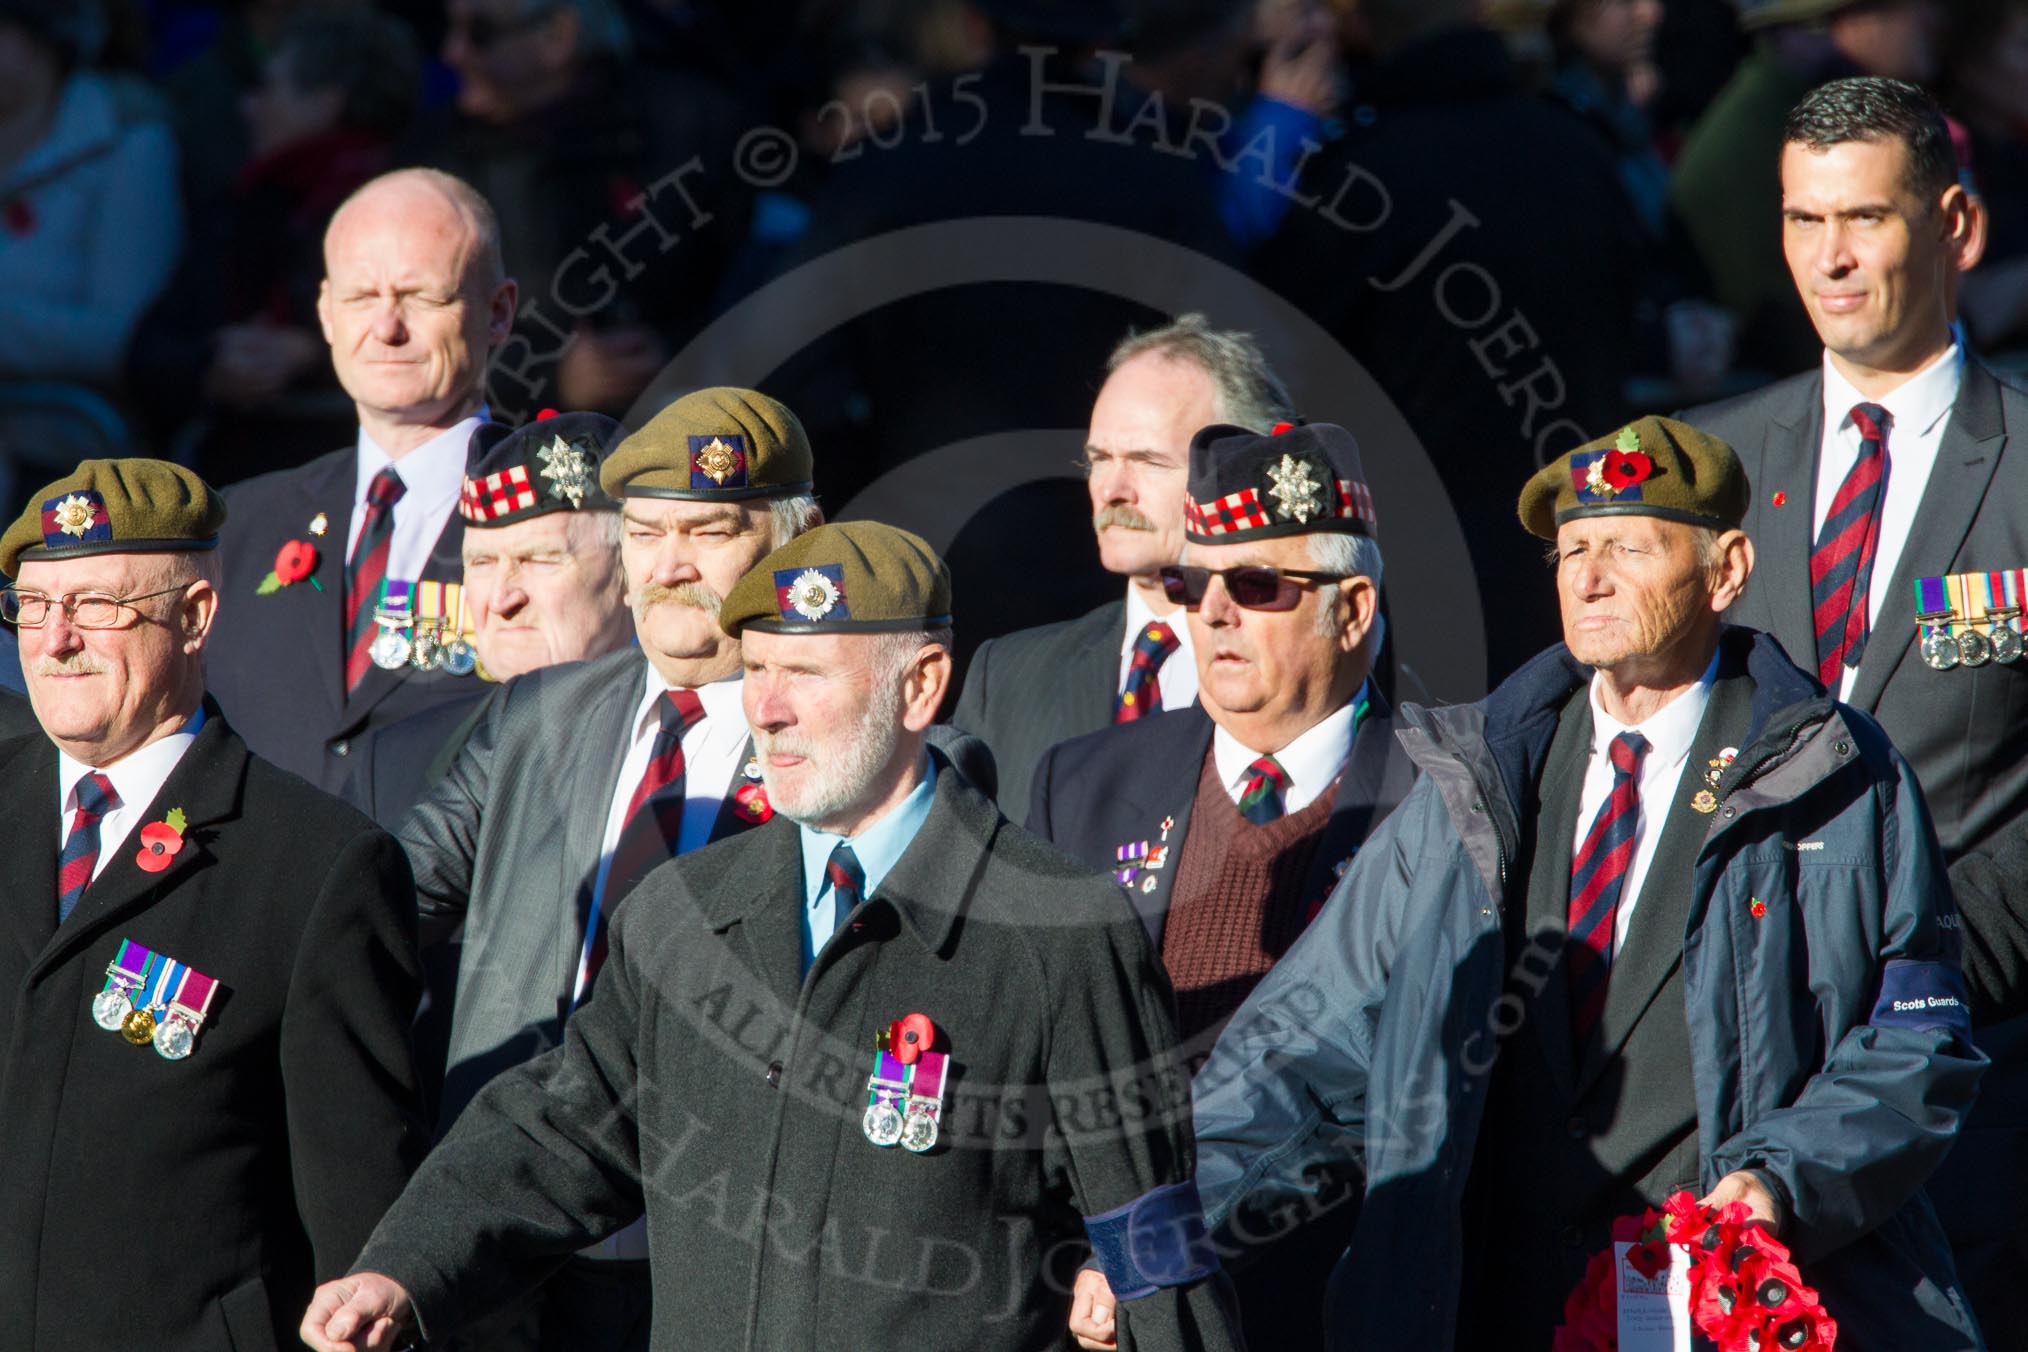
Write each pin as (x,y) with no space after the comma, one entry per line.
(1634,590)
(1277,668)
(1138,454)
(545,590)
(406,307)
(101,694)
(1870,256)
(681,559)
(827,718)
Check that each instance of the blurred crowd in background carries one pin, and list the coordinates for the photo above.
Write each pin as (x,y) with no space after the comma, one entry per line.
(1608,167)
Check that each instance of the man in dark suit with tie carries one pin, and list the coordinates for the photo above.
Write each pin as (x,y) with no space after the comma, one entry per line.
(1229,823)
(325,565)
(580,778)
(207,967)
(1029,690)
(1878,479)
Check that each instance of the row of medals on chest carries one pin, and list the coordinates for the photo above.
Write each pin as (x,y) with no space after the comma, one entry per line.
(173,1032)
(425,644)
(1943,647)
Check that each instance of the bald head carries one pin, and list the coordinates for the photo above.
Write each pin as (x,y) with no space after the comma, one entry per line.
(425,200)
(414,301)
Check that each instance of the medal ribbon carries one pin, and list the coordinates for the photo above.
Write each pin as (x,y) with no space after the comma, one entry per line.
(165,978)
(891,1079)
(396,599)
(430,601)
(1972,598)
(131,969)
(1932,606)
(193,995)
(928,1084)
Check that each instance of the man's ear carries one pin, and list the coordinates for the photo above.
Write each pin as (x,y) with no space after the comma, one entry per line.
(923,689)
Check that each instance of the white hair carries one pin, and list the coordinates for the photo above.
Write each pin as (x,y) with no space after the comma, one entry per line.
(1354,556)
(790,517)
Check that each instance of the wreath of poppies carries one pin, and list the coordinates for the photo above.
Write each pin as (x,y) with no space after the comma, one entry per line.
(1745,1292)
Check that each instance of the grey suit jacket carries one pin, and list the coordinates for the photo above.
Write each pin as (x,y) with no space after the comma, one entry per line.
(1031,689)
(508,844)
(1964,731)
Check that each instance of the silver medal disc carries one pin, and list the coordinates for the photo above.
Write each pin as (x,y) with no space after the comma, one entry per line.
(883,1123)
(459,658)
(1940,650)
(390,650)
(111,1008)
(1974,649)
(919,1133)
(426,650)
(2006,643)
(173,1038)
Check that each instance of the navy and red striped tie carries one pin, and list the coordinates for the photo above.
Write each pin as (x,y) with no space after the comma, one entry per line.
(366,571)
(848,883)
(1841,566)
(1142,694)
(1597,875)
(95,798)
(652,827)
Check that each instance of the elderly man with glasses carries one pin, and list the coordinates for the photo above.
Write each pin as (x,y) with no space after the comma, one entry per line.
(1228,823)
(207,966)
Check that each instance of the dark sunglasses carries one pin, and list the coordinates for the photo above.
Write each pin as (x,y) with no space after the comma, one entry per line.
(1254,586)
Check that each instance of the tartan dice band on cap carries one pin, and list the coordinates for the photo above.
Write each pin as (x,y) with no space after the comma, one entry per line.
(845,578)
(548,465)
(1296,480)
(1652,467)
(129,506)
(713,445)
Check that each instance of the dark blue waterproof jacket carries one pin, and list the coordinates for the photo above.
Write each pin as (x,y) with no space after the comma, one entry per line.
(1831,1047)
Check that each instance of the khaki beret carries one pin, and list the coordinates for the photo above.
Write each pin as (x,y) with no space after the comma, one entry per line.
(548,465)
(713,445)
(1651,467)
(847,578)
(131,506)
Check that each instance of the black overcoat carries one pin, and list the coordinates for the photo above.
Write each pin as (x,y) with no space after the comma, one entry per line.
(190,1206)
(711,1086)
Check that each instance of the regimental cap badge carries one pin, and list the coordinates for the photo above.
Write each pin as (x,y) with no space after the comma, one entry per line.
(548,465)
(1651,467)
(569,469)
(812,594)
(718,461)
(127,506)
(1299,479)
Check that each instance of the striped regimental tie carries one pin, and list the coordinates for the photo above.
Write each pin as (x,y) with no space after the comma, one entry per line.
(366,571)
(95,798)
(1841,565)
(1596,877)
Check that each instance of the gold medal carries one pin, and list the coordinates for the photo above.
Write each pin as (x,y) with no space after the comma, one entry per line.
(139,1028)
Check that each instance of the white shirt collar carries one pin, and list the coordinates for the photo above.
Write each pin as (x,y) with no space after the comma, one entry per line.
(1311,762)
(1669,730)
(432,474)
(137,777)
(1916,405)
(722,708)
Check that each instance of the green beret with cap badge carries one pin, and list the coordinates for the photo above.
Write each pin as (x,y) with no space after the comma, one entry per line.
(129,506)
(1651,467)
(713,445)
(849,577)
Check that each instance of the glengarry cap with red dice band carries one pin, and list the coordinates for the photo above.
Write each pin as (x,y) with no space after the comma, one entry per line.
(1296,480)
(713,445)
(550,464)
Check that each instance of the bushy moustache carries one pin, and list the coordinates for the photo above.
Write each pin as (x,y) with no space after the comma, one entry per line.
(77,664)
(1121,515)
(693,594)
